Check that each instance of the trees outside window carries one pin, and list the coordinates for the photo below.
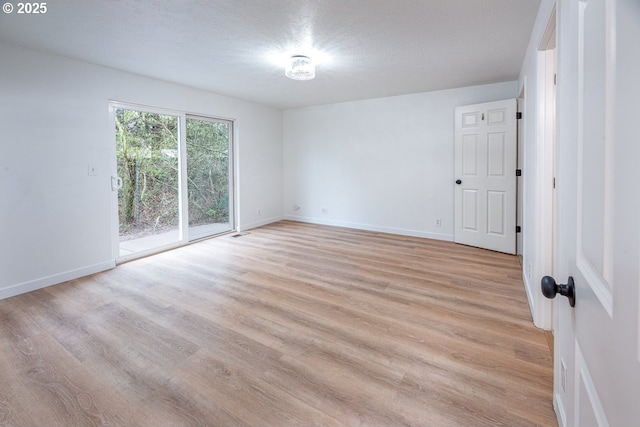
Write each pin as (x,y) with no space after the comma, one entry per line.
(148,159)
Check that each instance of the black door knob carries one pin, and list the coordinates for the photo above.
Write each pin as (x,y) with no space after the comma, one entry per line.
(550,288)
(458,181)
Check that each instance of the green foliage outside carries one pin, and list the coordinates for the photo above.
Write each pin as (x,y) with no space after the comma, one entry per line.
(208,171)
(147,154)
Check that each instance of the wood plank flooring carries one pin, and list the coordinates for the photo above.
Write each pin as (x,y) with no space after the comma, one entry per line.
(290,325)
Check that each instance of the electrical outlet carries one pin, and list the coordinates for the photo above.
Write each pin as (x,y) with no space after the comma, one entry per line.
(438,222)
(563,375)
(325,210)
(259,212)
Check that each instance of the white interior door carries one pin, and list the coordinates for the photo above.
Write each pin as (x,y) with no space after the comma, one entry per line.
(597,353)
(485,173)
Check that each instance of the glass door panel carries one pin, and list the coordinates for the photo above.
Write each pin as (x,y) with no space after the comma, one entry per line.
(147,154)
(209,185)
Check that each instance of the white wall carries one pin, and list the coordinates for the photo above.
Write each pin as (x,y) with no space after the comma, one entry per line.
(536,252)
(55,219)
(383,164)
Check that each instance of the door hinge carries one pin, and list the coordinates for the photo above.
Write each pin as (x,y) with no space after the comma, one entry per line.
(555,79)
(518,229)
(518,172)
(554,182)
(518,115)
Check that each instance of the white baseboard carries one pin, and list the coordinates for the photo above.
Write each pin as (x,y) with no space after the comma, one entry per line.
(561,414)
(369,227)
(43,282)
(530,298)
(540,307)
(260,223)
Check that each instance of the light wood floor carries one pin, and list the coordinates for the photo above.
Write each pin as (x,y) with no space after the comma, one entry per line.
(290,325)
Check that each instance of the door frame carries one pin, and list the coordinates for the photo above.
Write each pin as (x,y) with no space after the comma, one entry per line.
(520,181)
(546,241)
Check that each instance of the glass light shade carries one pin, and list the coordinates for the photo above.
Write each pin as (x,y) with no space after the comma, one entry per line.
(300,68)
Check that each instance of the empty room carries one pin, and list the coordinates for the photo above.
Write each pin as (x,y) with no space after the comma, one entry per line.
(319,213)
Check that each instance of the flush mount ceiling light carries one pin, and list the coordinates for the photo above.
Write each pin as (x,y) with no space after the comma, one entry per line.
(300,67)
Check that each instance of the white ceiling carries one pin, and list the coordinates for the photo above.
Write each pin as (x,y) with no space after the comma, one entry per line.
(376,48)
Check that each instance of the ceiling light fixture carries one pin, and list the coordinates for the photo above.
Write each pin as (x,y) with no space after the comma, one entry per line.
(300,67)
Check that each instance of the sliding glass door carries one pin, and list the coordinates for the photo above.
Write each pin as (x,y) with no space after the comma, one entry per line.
(174,180)
(148,196)
(209,176)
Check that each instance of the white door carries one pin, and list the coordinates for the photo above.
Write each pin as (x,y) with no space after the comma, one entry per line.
(597,343)
(485,175)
